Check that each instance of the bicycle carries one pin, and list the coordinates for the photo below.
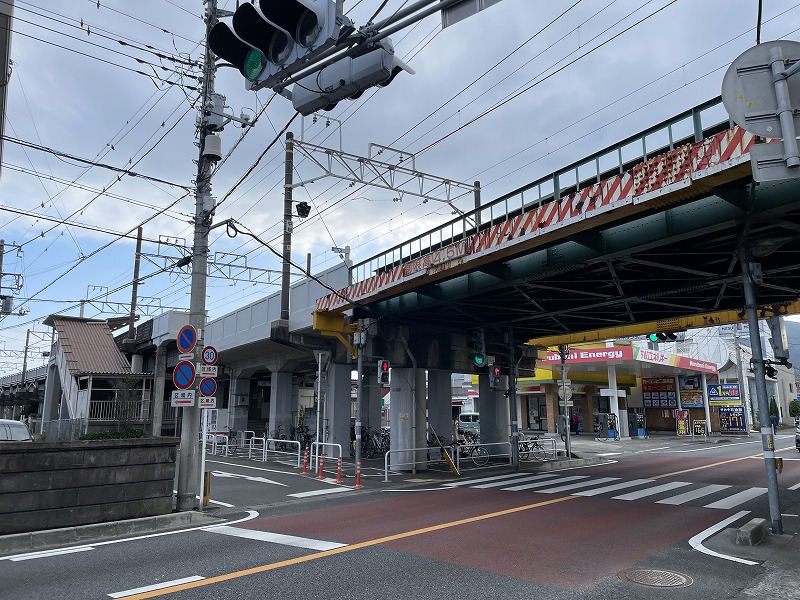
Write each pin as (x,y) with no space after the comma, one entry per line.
(275,444)
(530,445)
(472,449)
(231,443)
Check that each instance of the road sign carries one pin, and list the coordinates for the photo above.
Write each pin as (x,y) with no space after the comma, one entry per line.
(207,370)
(183,376)
(187,338)
(182,398)
(207,402)
(209,355)
(208,387)
(566,403)
(565,389)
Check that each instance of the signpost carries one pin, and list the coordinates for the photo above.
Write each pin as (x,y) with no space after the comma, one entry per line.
(182,398)
(186,340)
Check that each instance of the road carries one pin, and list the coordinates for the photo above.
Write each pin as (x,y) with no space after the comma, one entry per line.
(494,534)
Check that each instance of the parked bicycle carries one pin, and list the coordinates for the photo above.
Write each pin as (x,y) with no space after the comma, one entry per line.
(530,445)
(275,443)
(232,442)
(472,449)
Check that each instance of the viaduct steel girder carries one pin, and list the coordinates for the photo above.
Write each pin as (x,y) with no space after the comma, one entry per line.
(673,262)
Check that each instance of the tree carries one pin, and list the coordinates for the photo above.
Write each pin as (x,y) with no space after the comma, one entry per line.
(773,407)
(794,408)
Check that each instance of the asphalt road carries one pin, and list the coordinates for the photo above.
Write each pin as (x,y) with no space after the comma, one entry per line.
(493,534)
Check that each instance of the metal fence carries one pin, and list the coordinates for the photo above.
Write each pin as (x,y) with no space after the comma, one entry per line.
(118,410)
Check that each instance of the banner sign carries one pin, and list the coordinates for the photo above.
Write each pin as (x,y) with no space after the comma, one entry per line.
(731,419)
(724,394)
(682,422)
(659,392)
(691,394)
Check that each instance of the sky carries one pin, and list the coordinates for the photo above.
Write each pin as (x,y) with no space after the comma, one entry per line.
(100,136)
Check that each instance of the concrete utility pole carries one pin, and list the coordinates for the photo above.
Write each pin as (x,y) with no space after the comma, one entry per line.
(189,455)
(767,439)
(512,400)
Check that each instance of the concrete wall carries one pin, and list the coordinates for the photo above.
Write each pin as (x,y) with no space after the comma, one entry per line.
(62,484)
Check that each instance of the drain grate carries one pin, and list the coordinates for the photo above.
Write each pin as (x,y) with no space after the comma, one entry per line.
(656,578)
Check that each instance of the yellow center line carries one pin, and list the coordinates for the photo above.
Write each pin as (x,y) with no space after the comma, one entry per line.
(342,550)
(716,464)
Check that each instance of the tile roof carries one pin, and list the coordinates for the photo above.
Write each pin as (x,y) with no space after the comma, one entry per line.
(88,346)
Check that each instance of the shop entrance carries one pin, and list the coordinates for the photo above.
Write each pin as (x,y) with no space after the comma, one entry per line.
(537,413)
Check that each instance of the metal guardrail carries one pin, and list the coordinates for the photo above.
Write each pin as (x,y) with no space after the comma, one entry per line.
(550,451)
(315,454)
(613,160)
(262,443)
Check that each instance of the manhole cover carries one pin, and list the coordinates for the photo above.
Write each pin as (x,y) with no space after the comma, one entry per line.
(656,578)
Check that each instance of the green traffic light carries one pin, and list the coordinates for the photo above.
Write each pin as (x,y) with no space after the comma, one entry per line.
(477,359)
(254,64)
(653,337)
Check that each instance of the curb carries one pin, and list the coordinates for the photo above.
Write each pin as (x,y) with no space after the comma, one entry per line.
(17,543)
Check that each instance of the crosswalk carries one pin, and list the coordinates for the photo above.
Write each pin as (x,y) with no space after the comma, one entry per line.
(673,493)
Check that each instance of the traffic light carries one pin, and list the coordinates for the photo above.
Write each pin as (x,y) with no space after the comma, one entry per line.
(347,78)
(494,377)
(303,209)
(662,337)
(275,36)
(383,372)
(478,354)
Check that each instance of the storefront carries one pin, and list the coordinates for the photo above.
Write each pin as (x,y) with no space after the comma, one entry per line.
(643,389)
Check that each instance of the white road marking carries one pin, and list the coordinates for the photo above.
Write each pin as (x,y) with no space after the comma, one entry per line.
(530,486)
(796,486)
(248,477)
(580,484)
(485,486)
(696,541)
(275,538)
(485,479)
(652,491)
(610,454)
(157,586)
(694,494)
(653,449)
(614,487)
(737,499)
(319,492)
(251,514)
(48,553)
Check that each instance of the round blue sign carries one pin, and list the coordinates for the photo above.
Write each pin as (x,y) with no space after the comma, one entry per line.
(187,338)
(208,386)
(183,376)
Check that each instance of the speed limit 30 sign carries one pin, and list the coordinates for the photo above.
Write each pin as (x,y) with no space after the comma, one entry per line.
(209,355)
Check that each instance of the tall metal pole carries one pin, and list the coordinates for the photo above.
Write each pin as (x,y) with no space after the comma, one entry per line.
(767,439)
(512,400)
(563,350)
(360,339)
(287,226)
(189,455)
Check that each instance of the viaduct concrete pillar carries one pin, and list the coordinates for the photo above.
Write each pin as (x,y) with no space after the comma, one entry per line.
(159,376)
(408,419)
(495,415)
(338,406)
(280,402)
(238,401)
(440,404)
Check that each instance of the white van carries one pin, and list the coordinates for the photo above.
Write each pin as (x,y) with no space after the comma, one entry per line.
(469,421)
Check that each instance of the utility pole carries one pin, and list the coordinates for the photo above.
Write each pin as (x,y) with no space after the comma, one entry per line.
(767,439)
(135,287)
(512,399)
(189,456)
(287,228)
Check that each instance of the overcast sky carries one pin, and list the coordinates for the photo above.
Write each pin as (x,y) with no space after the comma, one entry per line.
(578,76)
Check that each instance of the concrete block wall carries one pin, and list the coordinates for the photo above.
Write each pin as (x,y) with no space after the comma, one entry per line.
(63,484)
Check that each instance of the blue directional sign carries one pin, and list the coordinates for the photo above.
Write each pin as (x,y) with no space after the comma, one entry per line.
(208,386)
(187,338)
(183,376)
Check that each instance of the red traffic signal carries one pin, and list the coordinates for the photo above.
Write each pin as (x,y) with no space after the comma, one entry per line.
(383,371)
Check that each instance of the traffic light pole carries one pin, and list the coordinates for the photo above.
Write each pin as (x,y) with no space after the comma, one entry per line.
(360,335)
(512,400)
(767,438)
(189,453)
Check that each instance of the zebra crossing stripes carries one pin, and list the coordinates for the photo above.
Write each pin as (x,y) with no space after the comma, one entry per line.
(580,484)
(584,485)
(664,487)
(694,494)
(613,488)
(737,499)
(543,484)
(549,476)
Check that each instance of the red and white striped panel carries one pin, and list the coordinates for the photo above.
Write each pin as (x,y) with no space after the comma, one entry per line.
(656,173)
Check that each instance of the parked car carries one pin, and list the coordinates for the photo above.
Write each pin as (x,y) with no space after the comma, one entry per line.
(14,431)
(469,421)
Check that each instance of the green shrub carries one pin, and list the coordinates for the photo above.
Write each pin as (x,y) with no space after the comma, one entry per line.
(794,408)
(122,434)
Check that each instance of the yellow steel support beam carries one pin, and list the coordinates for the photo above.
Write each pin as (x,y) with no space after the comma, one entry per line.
(722,317)
(332,324)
